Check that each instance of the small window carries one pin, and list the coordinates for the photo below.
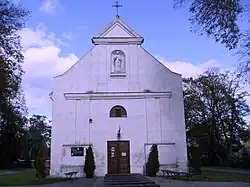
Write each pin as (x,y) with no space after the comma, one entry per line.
(77,151)
(118,112)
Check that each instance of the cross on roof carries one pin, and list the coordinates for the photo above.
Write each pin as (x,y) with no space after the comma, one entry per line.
(117,6)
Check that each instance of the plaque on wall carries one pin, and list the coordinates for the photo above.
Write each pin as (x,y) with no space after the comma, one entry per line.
(77,151)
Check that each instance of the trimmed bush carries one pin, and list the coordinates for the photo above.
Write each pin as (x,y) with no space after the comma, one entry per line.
(40,163)
(89,166)
(152,166)
(196,161)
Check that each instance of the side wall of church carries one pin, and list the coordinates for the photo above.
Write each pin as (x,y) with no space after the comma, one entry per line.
(162,119)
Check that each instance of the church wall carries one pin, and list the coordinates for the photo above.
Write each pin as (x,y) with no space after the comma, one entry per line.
(62,131)
(177,116)
(92,72)
(161,79)
(104,128)
(161,120)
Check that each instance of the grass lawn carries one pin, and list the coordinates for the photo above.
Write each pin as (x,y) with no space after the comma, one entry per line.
(226,168)
(219,177)
(25,178)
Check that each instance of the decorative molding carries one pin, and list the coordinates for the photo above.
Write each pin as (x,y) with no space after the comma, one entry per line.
(117,40)
(116,95)
(77,145)
(115,75)
(169,143)
(51,96)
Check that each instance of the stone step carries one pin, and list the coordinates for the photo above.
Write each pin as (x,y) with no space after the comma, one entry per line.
(124,174)
(127,178)
(127,182)
(134,185)
(123,177)
(116,181)
(124,181)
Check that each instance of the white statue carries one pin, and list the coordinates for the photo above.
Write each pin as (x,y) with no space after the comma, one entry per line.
(117,62)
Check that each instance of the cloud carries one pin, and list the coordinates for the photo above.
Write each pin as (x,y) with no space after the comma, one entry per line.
(68,36)
(187,69)
(39,37)
(42,61)
(49,6)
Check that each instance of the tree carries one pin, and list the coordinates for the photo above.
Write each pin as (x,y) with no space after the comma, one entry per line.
(12,103)
(215,108)
(89,165)
(39,131)
(40,162)
(153,164)
(221,20)
(196,161)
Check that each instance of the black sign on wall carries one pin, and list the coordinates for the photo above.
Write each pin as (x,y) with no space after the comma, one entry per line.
(77,151)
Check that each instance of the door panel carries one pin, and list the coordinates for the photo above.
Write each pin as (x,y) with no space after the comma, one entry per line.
(118,157)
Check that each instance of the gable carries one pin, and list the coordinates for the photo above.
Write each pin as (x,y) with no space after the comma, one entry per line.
(117,30)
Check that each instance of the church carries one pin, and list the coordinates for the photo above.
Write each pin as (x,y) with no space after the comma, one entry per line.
(118,94)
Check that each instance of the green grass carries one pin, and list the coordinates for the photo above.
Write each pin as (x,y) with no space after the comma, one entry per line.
(226,168)
(218,177)
(25,178)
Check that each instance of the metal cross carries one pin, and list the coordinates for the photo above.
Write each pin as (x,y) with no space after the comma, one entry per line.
(117,6)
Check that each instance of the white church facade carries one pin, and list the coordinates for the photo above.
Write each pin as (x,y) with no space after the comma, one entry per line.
(117,87)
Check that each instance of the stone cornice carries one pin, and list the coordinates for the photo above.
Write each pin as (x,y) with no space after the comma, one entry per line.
(117,40)
(116,95)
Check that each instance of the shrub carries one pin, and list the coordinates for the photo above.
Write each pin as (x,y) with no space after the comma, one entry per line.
(40,163)
(196,161)
(245,159)
(89,166)
(152,166)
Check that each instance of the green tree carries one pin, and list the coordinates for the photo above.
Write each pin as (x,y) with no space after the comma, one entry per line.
(12,102)
(223,20)
(215,108)
(153,164)
(89,165)
(196,161)
(40,162)
(39,131)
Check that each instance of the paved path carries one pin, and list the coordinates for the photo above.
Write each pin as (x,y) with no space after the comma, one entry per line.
(2,172)
(226,170)
(163,182)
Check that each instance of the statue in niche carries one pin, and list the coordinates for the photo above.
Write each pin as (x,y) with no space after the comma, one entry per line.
(118,62)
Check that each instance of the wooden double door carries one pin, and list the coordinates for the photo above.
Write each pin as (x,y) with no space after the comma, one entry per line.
(118,156)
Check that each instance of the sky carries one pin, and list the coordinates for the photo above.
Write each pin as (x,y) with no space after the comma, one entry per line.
(59,32)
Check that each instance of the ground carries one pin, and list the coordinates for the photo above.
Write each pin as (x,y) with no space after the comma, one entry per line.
(27,178)
(177,183)
(14,178)
(218,176)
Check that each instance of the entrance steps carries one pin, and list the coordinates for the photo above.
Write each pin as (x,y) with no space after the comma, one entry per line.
(128,180)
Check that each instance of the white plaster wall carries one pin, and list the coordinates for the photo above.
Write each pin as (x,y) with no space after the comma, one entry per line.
(106,128)
(163,118)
